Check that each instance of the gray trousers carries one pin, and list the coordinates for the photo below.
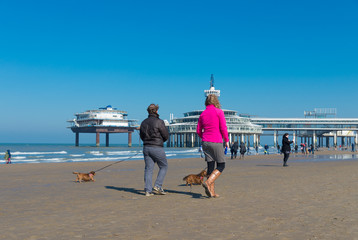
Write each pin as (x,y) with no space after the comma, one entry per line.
(154,155)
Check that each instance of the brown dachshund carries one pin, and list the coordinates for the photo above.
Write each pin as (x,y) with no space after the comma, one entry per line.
(195,178)
(85,176)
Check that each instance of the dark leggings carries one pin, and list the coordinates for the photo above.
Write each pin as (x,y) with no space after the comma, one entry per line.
(285,157)
(211,166)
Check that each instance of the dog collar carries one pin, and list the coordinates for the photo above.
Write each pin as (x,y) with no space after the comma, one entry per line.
(90,174)
(201,178)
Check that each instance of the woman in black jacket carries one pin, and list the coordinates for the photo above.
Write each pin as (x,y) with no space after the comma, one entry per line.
(286,148)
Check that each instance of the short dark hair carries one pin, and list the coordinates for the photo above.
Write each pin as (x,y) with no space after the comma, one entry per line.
(152,108)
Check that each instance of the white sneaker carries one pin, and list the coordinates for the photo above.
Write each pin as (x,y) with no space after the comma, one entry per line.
(158,190)
(148,194)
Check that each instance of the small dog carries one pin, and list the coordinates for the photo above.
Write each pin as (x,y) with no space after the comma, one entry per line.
(85,176)
(195,178)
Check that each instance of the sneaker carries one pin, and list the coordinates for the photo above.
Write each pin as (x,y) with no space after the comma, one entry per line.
(159,190)
(148,194)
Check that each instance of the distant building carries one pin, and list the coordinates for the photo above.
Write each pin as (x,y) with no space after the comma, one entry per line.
(182,131)
(103,120)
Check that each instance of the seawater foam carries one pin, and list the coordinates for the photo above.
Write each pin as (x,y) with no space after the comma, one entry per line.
(99,159)
(121,152)
(17,158)
(37,153)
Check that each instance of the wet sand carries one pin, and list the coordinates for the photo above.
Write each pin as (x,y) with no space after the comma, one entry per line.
(259,200)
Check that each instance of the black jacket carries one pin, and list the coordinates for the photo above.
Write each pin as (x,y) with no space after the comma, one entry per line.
(153,131)
(286,145)
(235,147)
(242,148)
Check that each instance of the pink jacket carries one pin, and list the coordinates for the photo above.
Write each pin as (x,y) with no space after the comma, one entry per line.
(212,125)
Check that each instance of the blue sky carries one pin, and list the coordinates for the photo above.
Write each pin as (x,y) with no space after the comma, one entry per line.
(269,58)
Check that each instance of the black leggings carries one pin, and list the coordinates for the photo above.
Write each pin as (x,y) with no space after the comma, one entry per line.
(285,157)
(211,166)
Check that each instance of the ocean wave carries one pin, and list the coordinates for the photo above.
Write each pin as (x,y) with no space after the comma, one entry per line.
(37,153)
(122,152)
(18,158)
(99,159)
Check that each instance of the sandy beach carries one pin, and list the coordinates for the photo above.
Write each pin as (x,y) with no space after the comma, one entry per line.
(259,200)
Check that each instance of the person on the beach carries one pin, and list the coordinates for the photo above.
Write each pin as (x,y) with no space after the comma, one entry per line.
(278,148)
(266,149)
(242,150)
(296,148)
(312,148)
(286,148)
(154,133)
(257,149)
(7,157)
(233,148)
(306,148)
(212,130)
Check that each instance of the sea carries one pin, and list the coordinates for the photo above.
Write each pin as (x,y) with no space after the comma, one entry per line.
(55,153)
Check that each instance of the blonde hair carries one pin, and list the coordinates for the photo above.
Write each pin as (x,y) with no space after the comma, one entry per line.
(212,99)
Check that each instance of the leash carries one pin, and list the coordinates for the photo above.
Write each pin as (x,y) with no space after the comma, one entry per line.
(126,159)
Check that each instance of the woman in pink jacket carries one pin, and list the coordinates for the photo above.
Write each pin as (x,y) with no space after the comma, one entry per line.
(212,130)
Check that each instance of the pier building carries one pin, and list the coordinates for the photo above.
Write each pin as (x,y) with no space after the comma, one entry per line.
(319,131)
(182,131)
(105,120)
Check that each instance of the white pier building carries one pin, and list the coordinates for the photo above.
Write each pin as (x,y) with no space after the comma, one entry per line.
(182,131)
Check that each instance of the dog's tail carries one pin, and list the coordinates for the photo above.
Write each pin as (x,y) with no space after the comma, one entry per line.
(75,172)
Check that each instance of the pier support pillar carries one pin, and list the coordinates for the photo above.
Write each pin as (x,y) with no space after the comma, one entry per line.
(107,139)
(77,141)
(129,139)
(259,140)
(293,138)
(275,138)
(314,139)
(335,139)
(97,139)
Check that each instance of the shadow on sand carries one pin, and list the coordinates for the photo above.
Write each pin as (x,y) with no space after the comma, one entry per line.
(141,192)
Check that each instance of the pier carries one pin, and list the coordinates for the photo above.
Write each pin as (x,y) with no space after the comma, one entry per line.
(105,120)
(106,131)
(316,131)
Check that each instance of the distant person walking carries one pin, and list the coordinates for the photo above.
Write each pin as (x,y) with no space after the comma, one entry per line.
(306,148)
(296,148)
(7,157)
(212,130)
(233,148)
(154,133)
(242,150)
(286,148)
(278,148)
(257,149)
(266,147)
(312,148)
